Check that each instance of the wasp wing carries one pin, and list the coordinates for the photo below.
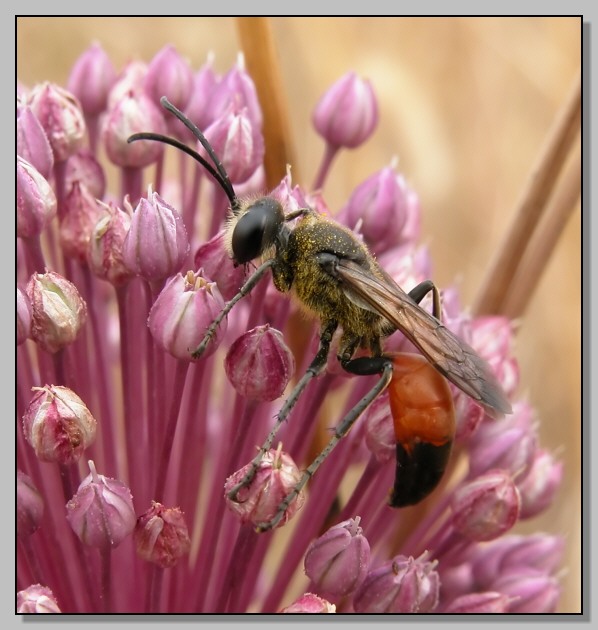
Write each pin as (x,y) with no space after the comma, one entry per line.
(450,355)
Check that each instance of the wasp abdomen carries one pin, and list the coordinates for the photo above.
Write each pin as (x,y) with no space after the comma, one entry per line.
(424,421)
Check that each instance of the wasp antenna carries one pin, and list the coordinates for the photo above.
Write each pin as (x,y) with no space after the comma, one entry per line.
(222,177)
(158,137)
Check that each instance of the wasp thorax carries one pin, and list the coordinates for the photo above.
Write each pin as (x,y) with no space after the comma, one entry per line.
(256,229)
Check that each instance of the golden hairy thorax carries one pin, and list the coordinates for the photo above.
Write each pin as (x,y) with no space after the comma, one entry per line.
(317,290)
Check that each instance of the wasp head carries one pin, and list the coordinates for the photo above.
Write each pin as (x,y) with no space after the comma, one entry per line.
(255,229)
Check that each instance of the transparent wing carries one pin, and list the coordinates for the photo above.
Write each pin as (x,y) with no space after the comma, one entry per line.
(450,355)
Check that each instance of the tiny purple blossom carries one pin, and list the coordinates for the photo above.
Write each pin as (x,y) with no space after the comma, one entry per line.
(168,74)
(91,79)
(37,599)
(338,561)
(36,201)
(347,113)
(101,512)
(184,309)
(156,245)
(402,585)
(32,142)
(259,364)
(60,115)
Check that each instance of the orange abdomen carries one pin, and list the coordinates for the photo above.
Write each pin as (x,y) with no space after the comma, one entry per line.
(424,421)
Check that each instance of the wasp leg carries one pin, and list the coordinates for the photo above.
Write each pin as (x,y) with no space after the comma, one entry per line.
(418,293)
(255,277)
(315,368)
(384,366)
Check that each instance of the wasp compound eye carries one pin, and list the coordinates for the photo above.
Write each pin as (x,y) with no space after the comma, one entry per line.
(257,229)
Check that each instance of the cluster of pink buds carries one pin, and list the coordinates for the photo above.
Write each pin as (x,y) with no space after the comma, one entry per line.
(139,483)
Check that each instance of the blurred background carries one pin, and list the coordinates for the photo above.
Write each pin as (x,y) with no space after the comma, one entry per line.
(465,105)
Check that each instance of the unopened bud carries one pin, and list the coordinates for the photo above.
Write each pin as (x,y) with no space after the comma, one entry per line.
(337,561)
(487,507)
(276,476)
(101,513)
(30,505)
(57,310)
(161,535)
(182,312)
(402,585)
(259,364)
(36,599)
(309,603)
(58,425)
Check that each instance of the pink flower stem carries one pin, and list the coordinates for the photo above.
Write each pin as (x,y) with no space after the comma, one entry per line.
(154,588)
(106,592)
(360,496)
(131,181)
(34,255)
(324,168)
(130,385)
(168,438)
(37,576)
(238,568)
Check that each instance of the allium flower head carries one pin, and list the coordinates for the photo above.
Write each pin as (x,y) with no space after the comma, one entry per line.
(229,446)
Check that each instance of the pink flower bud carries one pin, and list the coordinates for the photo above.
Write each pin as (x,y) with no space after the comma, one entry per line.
(204,87)
(30,505)
(57,310)
(129,81)
(32,142)
(259,364)
(168,74)
(23,316)
(276,476)
(540,485)
(347,113)
(58,425)
(82,167)
(59,113)
(185,308)
(309,603)
(239,144)
(487,507)
(236,89)
(536,551)
(36,599)
(101,512)
(337,561)
(530,590)
(161,536)
(36,201)
(508,448)
(380,205)
(488,602)
(81,213)
(91,79)
(291,197)
(133,113)
(157,245)
(105,253)
(217,265)
(379,429)
(402,585)
(492,336)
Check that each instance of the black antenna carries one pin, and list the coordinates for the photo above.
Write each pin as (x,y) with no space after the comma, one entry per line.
(218,172)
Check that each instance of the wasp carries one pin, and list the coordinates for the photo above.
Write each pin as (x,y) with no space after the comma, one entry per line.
(333,274)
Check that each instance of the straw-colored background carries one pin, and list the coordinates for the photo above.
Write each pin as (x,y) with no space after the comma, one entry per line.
(465,104)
